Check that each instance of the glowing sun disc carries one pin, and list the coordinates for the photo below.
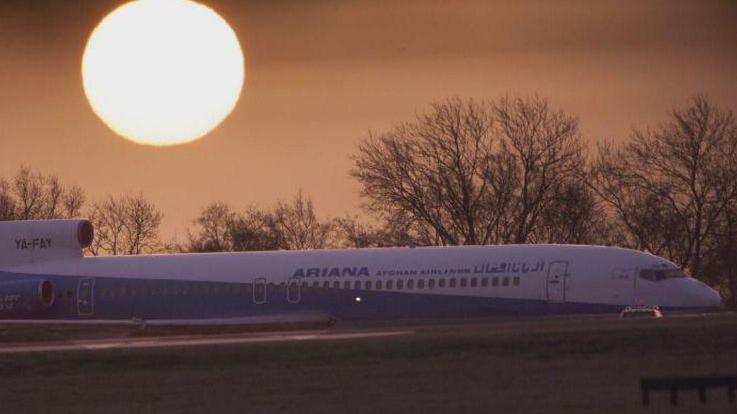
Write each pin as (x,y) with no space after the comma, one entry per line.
(163,72)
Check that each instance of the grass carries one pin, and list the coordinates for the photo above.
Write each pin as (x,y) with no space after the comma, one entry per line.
(565,365)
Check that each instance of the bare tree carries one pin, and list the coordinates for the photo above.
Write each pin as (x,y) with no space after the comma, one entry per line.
(298,227)
(256,230)
(575,216)
(7,202)
(435,170)
(473,173)
(287,226)
(547,152)
(108,219)
(720,268)
(125,225)
(219,229)
(142,224)
(215,229)
(28,189)
(352,233)
(73,200)
(32,196)
(670,185)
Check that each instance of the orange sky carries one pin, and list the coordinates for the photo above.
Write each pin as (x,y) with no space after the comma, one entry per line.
(319,75)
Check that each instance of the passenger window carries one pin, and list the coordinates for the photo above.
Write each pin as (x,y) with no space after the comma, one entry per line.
(389,284)
(357,284)
(378,285)
(474,282)
(495,281)
(411,284)
(336,285)
(505,281)
(421,284)
(484,281)
(368,285)
(452,282)
(315,284)
(431,284)
(515,281)
(463,282)
(325,284)
(400,284)
(441,283)
(347,284)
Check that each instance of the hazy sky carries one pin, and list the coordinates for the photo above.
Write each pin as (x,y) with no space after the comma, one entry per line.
(320,74)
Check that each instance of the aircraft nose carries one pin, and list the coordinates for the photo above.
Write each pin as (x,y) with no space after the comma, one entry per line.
(713,298)
(708,297)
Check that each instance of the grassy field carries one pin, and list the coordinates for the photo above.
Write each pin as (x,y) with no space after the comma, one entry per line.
(559,365)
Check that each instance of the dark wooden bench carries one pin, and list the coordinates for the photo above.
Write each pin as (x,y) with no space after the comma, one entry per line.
(686,383)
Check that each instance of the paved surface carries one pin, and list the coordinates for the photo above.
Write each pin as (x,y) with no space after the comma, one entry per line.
(187,341)
(572,364)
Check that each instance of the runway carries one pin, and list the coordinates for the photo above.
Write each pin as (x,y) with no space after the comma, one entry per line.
(574,364)
(116,339)
(191,341)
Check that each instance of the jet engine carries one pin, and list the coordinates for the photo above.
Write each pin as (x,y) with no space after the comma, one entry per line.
(28,242)
(23,298)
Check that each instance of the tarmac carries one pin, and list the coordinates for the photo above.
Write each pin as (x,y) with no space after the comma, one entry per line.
(189,341)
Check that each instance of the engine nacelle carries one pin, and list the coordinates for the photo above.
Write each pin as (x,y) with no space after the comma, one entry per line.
(25,298)
(33,241)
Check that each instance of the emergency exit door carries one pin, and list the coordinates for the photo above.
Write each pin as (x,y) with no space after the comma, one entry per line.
(556,282)
(85,297)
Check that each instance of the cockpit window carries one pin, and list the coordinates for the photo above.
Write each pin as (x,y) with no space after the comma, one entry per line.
(656,275)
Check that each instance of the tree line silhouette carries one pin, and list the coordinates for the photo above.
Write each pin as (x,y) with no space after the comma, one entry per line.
(511,170)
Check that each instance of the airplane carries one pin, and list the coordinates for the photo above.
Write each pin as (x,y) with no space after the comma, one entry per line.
(45,279)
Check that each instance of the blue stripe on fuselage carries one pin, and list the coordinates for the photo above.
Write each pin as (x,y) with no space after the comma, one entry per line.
(125,298)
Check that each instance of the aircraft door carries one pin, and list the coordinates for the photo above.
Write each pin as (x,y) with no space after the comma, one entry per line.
(556,282)
(85,297)
(294,294)
(259,291)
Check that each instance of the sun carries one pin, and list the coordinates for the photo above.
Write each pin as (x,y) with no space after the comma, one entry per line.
(163,72)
